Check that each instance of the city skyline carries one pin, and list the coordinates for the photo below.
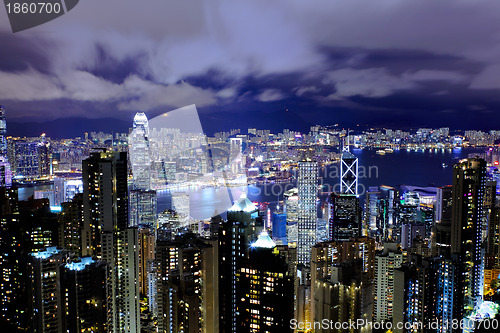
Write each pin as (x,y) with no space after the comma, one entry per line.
(250,166)
(125,252)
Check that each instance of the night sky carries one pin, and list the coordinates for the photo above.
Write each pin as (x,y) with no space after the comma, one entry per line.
(261,63)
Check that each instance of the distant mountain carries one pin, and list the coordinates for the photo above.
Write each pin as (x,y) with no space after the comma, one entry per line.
(275,121)
(212,122)
(67,127)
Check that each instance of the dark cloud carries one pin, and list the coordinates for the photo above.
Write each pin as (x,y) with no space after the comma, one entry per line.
(353,61)
(20,53)
(112,69)
(398,61)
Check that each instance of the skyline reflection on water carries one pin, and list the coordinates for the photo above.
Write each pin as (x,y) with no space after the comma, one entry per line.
(400,167)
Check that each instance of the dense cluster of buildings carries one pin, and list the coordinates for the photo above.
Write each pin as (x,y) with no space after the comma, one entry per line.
(93,253)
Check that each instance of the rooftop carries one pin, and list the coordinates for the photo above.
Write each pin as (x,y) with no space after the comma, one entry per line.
(243,205)
(264,241)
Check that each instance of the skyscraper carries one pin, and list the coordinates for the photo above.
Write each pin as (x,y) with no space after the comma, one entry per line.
(187,285)
(409,301)
(106,236)
(180,203)
(143,207)
(371,212)
(26,159)
(345,219)
(235,236)
(336,252)
(44,157)
(30,158)
(330,257)
(423,294)
(70,224)
(5,172)
(307,184)
(140,158)
(264,293)
(24,228)
(235,150)
(146,249)
(105,200)
(339,297)
(291,198)
(3,132)
(441,235)
(385,264)
(45,274)
(469,177)
(348,173)
(83,287)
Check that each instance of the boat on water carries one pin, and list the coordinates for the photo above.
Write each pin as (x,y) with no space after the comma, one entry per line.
(381,152)
(388,150)
(444,165)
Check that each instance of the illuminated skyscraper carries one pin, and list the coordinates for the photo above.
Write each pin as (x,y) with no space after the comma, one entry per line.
(385,264)
(5,172)
(187,285)
(26,159)
(106,235)
(146,258)
(423,293)
(345,219)
(70,223)
(348,173)
(493,242)
(307,184)
(140,158)
(264,294)
(339,297)
(67,296)
(83,286)
(3,132)
(441,232)
(335,252)
(66,188)
(180,203)
(45,275)
(327,259)
(469,177)
(371,211)
(44,157)
(143,207)
(235,150)
(291,198)
(31,159)
(105,200)
(409,301)
(235,236)
(23,229)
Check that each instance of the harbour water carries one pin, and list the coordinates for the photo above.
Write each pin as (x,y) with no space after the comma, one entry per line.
(419,168)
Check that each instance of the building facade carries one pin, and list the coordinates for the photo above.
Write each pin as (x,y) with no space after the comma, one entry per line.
(307,184)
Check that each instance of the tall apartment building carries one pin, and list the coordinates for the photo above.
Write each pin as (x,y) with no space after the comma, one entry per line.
(264,293)
(469,178)
(187,285)
(385,264)
(106,235)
